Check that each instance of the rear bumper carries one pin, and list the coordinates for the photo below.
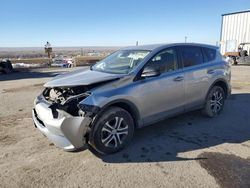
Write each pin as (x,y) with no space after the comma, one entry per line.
(66,131)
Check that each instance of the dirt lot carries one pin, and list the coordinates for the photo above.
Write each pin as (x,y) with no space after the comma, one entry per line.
(186,151)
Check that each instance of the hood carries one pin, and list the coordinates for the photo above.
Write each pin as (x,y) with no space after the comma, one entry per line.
(81,77)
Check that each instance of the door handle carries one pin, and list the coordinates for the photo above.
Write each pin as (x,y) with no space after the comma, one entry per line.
(178,78)
(211,71)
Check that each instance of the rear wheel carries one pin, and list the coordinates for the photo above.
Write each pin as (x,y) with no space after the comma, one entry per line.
(214,102)
(112,131)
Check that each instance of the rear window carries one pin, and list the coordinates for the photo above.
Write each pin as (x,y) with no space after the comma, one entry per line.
(191,56)
(209,54)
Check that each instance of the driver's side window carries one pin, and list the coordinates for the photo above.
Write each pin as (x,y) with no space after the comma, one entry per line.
(164,61)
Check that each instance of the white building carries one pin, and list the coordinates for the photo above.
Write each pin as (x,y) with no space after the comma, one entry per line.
(235,29)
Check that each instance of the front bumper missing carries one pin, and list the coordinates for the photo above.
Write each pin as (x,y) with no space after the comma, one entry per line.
(66,131)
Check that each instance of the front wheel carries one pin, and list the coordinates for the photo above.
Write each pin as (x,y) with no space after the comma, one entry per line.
(214,102)
(112,131)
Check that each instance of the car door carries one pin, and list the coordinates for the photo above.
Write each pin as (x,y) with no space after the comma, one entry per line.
(162,95)
(197,75)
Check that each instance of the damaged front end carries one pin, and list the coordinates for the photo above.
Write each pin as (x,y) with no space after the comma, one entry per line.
(58,115)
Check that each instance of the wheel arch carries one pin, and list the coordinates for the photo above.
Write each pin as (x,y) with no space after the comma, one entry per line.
(222,83)
(126,105)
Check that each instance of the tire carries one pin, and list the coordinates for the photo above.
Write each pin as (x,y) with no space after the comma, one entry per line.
(112,131)
(234,61)
(214,102)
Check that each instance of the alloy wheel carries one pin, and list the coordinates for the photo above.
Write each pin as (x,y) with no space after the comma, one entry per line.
(216,102)
(114,132)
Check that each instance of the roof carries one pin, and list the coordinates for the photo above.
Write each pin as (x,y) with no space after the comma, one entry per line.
(238,12)
(145,47)
(152,47)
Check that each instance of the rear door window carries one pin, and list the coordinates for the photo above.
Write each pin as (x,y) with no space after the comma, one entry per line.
(191,56)
(209,54)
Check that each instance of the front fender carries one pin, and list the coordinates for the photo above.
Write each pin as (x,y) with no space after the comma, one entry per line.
(103,102)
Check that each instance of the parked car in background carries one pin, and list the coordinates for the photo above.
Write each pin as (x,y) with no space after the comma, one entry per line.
(133,87)
(62,62)
(6,66)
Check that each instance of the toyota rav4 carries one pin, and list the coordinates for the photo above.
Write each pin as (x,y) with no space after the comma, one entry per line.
(131,88)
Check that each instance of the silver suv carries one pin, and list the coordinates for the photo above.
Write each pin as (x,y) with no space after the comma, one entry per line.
(129,89)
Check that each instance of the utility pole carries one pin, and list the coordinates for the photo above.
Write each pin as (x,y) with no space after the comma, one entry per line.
(186,39)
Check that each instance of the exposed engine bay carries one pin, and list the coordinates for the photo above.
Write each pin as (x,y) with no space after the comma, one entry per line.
(63,95)
(66,98)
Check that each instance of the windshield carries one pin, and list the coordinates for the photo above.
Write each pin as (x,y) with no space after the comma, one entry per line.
(121,62)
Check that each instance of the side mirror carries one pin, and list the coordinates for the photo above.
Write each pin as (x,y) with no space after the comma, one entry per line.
(150,72)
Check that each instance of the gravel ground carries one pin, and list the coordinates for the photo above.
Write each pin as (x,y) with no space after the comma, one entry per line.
(186,151)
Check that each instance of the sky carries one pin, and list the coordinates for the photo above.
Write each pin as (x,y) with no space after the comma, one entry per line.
(30,23)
